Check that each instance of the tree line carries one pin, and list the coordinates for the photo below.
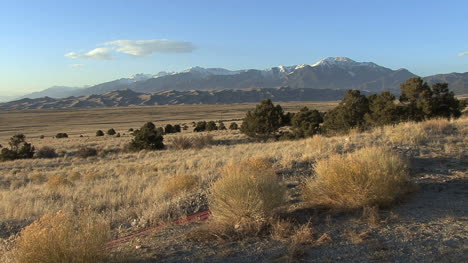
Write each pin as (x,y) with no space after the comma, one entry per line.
(418,101)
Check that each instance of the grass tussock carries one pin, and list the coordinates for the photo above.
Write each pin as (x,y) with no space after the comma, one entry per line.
(56,181)
(246,195)
(370,176)
(192,142)
(179,183)
(62,238)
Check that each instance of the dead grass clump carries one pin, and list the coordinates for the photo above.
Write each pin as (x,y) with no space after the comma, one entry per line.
(56,181)
(370,176)
(63,238)
(302,236)
(179,183)
(246,195)
(357,237)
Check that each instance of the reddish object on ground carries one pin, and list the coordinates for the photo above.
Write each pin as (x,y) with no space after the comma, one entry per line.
(197,217)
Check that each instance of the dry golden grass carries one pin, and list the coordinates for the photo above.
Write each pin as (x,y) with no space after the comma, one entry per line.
(63,238)
(246,194)
(301,237)
(179,183)
(122,187)
(56,181)
(369,176)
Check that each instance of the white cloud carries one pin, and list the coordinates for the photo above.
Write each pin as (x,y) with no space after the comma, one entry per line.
(101,53)
(142,48)
(463,54)
(76,65)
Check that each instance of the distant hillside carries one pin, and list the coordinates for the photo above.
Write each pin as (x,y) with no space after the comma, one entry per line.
(53,92)
(128,97)
(458,82)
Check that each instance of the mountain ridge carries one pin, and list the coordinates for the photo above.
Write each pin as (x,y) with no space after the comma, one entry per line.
(328,73)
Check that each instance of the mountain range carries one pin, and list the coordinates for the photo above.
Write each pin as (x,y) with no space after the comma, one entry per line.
(333,73)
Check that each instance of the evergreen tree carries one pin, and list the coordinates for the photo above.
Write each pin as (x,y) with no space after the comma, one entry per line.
(444,104)
(111,132)
(211,126)
(348,114)
(264,121)
(169,129)
(99,133)
(200,126)
(147,138)
(233,126)
(306,123)
(382,110)
(416,96)
(221,126)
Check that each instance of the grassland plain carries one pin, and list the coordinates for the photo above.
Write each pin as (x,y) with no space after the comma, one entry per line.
(86,121)
(130,190)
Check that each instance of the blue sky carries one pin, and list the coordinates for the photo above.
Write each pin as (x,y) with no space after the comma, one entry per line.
(76,43)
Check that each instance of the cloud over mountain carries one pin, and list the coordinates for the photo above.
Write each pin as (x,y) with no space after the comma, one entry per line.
(463,54)
(142,48)
(100,53)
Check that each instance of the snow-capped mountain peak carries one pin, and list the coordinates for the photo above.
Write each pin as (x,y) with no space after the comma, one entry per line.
(332,61)
(211,71)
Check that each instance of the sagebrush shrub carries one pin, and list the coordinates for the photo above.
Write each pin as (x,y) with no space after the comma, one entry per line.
(63,238)
(46,152)
(247,193)
(85,152)
(370,176)
(182,142)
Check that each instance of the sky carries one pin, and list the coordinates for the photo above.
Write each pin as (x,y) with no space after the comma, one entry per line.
(77,43)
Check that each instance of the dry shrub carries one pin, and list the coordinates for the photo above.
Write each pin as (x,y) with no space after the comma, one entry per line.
(182,142)
(46,152)
(63,238)
(85,152)
(246,195)
(196,142)
(55,181)
(370,176)
(202,141)
(437,126)
(179,183)
(281,230)
(406,133)
(302,236)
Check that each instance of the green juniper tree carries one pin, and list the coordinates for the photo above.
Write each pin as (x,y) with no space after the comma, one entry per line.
(264,121)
